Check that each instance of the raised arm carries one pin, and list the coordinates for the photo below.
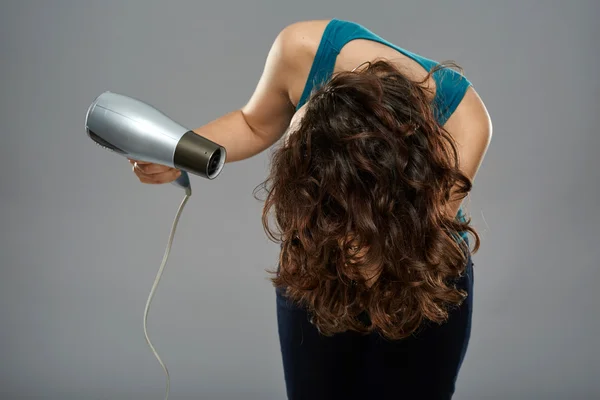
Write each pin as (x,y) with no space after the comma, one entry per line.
(260,123)
(266,116)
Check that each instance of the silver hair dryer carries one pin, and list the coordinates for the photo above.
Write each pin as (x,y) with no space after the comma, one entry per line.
(139,131)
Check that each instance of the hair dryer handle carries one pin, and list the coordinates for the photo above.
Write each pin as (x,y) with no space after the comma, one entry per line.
(183,181)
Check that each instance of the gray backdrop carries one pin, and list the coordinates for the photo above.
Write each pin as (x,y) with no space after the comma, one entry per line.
(82,239)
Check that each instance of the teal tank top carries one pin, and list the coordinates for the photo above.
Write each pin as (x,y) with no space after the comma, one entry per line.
(451,86)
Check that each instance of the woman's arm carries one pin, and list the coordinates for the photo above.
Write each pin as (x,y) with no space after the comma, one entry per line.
(471,127)
(265,117)
(263,120)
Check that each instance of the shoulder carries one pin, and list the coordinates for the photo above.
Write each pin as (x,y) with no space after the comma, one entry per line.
(471,113)
(305,34)
(298,42)
(296,46)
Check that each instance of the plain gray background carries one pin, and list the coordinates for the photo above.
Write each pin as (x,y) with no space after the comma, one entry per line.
(82,239)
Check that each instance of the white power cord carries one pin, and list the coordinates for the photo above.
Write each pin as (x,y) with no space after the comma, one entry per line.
(155,285)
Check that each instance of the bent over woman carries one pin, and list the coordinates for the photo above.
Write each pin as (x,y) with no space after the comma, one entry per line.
(379,148)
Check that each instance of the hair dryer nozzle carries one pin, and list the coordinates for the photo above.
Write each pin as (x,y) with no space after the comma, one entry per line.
(199,155)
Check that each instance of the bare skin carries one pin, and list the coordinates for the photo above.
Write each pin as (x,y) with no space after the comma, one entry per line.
(271,108)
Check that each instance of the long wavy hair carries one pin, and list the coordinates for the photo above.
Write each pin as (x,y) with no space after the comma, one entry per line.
(360,191)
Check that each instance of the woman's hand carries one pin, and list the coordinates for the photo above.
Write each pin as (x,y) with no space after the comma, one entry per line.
(151,173)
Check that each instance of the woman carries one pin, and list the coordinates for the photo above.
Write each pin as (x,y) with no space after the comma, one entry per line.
(374,288)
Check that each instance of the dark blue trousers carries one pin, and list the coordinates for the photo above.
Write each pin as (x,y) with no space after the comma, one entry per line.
(349,366)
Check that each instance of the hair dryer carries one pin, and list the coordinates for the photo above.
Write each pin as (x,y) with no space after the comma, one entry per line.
(139,131)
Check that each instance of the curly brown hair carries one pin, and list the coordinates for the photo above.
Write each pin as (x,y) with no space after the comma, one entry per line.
(360,193)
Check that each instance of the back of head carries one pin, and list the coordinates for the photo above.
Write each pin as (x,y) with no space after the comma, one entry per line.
(360,190)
